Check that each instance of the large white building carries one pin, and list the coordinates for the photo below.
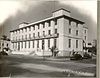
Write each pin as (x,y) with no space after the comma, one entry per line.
(61,30)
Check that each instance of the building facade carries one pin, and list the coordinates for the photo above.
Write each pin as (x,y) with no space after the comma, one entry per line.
(61,30)
(4,43)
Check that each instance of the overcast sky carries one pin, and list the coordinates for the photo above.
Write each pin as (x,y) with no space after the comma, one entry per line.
(13,12)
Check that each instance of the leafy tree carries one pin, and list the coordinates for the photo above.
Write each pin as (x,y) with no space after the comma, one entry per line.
(4,37)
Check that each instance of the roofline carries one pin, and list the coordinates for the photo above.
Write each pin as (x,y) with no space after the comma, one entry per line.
(50,18)
(61,9)
(24,23)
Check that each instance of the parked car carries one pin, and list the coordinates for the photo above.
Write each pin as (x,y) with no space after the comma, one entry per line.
(87,55)
(76,57)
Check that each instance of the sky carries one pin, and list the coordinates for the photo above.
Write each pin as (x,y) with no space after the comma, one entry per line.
(14,12)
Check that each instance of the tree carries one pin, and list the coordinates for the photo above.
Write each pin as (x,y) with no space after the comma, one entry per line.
(4,38)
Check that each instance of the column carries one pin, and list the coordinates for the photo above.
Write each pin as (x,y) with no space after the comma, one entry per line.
(14,46)
(40,44)
(41,28)
(27,45)
(20,45)
(53,26)
(31,45)
(35,44)
(51,42)
(23,46)
(46,44)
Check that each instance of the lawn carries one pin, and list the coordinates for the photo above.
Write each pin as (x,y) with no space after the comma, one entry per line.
(88,61)
(50,67)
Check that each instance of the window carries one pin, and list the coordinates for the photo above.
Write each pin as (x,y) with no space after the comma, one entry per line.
(25,44)
(55,31)
(16,38)
(22,37)
(7,44)
(49,23)
(25,36)
(22,44)
(29,35)
(42,44)
(55,21)
(85,37)
(55,42)
(76,24)
(85,31)
(76,32)
(38,27)
(43,25)
(49,32)
(17,32)
(16,45)
(48,43)
(37,43)
(33,34)
(69,22)
(76,43)
(33,27)
(13,45)
(2,44)
(26,29)
(38,34)
(22,30)
(29,44)
(69,45)
(43,33)
(33,44)
(69,30)
(29,28)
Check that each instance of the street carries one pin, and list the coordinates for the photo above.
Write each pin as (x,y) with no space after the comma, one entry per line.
(33,66)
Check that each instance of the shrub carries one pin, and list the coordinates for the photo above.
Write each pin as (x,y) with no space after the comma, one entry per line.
(3,53)
(76,57)
(87,56)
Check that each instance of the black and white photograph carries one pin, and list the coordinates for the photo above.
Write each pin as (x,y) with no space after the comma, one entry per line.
(48,38)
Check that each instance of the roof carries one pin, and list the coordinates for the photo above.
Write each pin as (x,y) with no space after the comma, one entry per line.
(61,9)
(50,18)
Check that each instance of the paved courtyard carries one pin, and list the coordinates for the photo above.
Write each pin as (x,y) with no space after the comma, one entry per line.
(33,66)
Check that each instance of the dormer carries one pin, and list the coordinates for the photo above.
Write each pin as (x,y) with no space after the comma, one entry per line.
(23,24)
(61,12)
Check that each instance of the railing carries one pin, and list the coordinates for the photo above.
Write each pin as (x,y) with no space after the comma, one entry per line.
(37,37)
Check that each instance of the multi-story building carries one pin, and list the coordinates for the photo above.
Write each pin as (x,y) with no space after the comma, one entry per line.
(61,30)
(4,43)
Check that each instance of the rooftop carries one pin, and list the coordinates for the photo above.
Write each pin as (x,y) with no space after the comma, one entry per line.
(51,18)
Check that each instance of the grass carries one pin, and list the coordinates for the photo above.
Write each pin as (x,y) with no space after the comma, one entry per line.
(16,60)
(87,61)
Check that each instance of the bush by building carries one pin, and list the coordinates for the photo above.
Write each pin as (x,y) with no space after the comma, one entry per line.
(76,57)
